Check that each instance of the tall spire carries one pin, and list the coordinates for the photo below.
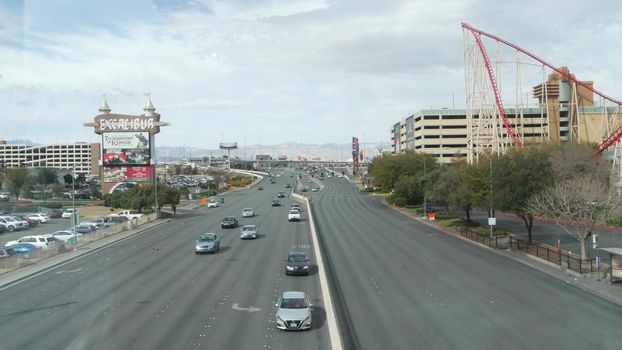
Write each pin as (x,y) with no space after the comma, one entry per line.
(104,108)
(149,109)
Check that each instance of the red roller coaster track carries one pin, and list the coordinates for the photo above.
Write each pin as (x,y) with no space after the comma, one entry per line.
(477,33)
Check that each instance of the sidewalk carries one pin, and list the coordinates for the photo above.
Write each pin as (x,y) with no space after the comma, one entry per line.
(588,282)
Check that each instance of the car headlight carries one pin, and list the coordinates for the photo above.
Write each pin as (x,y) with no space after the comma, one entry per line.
(280,322)
(289,268)
(306,321)
(306,267)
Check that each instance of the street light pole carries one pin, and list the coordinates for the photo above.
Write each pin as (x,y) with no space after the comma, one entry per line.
(73,206)
(425,178)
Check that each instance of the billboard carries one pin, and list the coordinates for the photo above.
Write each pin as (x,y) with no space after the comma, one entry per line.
(125,140)
(410,132)
(132,156)
(355,147)
(127,173)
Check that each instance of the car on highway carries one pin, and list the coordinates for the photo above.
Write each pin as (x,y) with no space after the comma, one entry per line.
(248,232)
(65,235)
(287,185)
(276,203)
(293,215)
(42,218)
(248,212)
(297,264)
(212,203)
(293,311)
(229,222)
(22,248)
(314,189)
(260,188)
(40,241)
(207,243)
(281,195)
(296,205)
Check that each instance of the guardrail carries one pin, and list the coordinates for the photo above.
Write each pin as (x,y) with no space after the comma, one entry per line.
(543,251)
(17,261)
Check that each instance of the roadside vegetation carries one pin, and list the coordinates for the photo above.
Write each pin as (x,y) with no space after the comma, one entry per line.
(240,181)
(562,182)
(142,198)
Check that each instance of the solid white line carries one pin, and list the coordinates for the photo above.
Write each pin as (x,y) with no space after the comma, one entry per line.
(331,319)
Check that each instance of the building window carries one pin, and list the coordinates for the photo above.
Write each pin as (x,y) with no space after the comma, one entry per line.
(452,117)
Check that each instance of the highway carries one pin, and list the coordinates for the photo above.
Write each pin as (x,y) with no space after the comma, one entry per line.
(152,292)
(401,284)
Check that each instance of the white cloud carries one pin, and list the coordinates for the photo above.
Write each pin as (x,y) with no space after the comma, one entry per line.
(308,71)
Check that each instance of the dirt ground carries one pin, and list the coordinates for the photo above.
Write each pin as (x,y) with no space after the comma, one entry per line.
(96,211)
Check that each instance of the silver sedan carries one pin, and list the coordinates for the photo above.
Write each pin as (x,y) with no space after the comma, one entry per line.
(248,232)
(207,243)
(294,311)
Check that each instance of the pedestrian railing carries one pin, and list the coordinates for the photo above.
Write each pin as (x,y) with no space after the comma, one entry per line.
(543,251)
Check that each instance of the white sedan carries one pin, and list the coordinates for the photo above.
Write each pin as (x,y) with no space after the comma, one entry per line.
(42,218)
(64,235)
(293,215)
(42,241)
(248,212)
(212,203)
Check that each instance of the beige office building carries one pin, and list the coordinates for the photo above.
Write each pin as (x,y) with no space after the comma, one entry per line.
(81,155)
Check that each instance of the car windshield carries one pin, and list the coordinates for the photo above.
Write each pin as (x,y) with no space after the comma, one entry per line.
(248,228)
(206,238)
(297,258)
(293,303)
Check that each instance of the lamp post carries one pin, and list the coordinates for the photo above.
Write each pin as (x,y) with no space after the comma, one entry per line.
(73,206)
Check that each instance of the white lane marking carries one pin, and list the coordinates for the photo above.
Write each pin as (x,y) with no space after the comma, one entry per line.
(235,306)
(331,319)
(68,271)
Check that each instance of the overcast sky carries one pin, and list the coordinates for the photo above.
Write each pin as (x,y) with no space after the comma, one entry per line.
(312,71)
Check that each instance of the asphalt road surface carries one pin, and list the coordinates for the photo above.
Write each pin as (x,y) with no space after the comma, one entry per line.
(152,292)
(401,284)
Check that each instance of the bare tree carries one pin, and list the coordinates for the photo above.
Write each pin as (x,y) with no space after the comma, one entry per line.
(577,205)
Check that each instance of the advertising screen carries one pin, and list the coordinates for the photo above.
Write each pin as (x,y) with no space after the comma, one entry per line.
(129,173)
(126,156)
(125,140)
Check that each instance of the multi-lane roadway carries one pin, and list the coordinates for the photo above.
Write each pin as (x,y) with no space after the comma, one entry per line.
(401,284)
(152,292)
(396,284)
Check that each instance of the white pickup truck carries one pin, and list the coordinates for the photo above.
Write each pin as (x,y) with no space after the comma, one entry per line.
(130,215)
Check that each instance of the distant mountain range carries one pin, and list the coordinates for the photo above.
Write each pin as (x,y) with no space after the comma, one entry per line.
(291,150)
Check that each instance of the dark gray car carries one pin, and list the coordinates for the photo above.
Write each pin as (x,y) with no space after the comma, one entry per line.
(297,264)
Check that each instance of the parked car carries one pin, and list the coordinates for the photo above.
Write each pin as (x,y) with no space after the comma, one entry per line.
(248,212)
(293,311)
(83,228)
(3,227)
(297,264)
(7,252)
(229,222)
(41,218)
(248,232)
(41,241)
(293,215)
(65,235)
(68,212)
(11,223)
(207,243)
(115,219)
(5,196)
(29,222)
(55,214)
(23,248)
